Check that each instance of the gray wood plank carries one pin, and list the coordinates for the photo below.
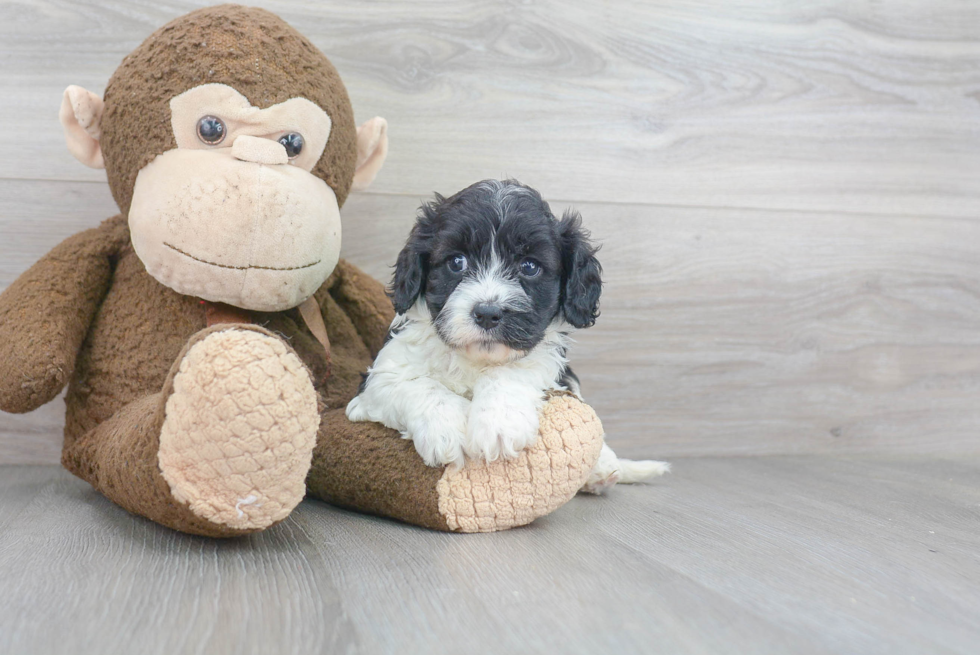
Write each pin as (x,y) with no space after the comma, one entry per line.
(722,331)
(748,332)
(81,575)
(35,217)
(20,486)
(837,313)
(825,105)
(751,555)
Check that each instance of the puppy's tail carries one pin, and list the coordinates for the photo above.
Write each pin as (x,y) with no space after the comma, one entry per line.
(632,472)
(611,470)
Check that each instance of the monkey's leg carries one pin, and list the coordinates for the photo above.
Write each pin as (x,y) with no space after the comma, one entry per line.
(222,450)
(368,467)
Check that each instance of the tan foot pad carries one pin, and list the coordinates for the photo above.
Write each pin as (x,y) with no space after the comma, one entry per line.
(508,493)
(239,429)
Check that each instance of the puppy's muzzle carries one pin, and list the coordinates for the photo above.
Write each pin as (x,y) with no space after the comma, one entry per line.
(487,315)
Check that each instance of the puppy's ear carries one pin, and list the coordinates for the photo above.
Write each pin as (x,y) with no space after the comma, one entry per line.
(412,267)
(409,280)
(582,274)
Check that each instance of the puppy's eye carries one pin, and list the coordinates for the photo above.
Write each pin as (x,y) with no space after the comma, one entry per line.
(530,268)
(457,263)
(211,130)
(293,143)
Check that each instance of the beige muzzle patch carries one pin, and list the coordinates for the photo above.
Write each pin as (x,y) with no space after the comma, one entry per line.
(208,224)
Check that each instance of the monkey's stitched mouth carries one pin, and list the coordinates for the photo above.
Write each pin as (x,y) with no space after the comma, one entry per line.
(241,268)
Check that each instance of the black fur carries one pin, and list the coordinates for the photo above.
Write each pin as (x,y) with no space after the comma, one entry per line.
(513,221)
(570,381)
(582,284)
(412,266)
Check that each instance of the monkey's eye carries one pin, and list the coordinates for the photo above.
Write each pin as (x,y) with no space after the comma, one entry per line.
(530,268)
(293,143)
(211,130)
(457,263)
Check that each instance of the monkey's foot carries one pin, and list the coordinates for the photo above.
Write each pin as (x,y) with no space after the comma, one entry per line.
(239,429)
(484,497)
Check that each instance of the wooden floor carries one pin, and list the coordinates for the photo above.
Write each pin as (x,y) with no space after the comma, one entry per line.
(788,200)
(808,554)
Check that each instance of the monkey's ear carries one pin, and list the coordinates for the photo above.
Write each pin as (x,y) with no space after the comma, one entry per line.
(81,117)
(372,149)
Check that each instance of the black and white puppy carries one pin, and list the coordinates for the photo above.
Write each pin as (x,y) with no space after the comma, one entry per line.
(486,291)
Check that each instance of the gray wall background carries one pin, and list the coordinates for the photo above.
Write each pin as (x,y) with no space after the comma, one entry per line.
(788,193)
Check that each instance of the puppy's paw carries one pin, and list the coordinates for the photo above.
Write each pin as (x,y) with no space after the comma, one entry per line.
(606,473)
(357,410)
(500,428)
(602,479)
(610,470)
(439,433)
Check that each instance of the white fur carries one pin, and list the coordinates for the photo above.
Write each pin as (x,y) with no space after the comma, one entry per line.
(454,405)
(610,470)
(503,195)
(456,394)
(457,401)
(490,285)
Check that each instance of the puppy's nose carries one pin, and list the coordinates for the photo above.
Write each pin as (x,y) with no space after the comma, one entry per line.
(487,315)
(258,150)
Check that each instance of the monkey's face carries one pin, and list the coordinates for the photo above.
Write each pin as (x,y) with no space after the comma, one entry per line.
(233,213)
(233,187)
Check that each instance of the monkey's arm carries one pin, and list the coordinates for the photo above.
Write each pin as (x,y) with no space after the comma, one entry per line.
(46,312)
(364,300)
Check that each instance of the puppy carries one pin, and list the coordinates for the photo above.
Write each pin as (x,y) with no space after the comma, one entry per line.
(486,291)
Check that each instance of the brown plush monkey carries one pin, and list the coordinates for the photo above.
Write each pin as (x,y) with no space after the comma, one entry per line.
(209,335)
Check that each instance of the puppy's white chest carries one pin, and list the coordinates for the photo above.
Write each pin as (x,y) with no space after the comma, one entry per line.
(460,379)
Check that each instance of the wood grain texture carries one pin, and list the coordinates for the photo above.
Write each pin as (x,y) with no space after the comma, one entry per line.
(787,197)
(35,217)
(824,105)
(787,193)
(747,331)
(735,555)
(722,331)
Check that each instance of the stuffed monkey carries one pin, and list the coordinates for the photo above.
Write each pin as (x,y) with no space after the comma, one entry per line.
(209,335)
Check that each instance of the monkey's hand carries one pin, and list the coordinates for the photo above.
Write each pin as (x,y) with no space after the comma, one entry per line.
(46,312)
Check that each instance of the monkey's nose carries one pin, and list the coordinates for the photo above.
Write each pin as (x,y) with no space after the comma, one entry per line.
(258,150)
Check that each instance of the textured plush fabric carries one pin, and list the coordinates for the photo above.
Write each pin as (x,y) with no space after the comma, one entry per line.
(80,115)
(372,149)
(210,430)
(250,49)
(46,312)
(119,459)
(365,304)
(244,120)
(141,333)
(136,335)
(367,467)
(208,225)
(508,493)
(139,338)
(239,427)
